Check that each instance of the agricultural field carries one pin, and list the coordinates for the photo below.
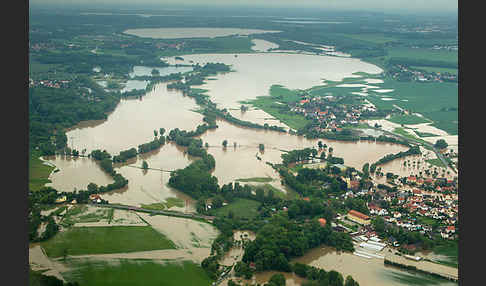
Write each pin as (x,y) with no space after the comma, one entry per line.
(372,38)
(243,208)
(38,172)
(110,239)
(407,119)
(446,56)
(136,272)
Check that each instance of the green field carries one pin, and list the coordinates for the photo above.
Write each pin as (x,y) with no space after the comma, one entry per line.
(411,278)
(169,202)
(451,250)
(425,134)
(243,208)
(372,38)
(408,119)
(112,239)
(423,54)
(435,162)
(38,172)
(427,99)
(256,180)
(136,272)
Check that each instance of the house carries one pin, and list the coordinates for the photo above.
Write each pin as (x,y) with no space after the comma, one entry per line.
(354,184)
(411,179)
(95,198)
(358,217)
(61,199)
(450,229)
(322,222)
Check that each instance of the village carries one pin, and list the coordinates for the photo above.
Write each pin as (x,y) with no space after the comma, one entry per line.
(330,112)
(406,73)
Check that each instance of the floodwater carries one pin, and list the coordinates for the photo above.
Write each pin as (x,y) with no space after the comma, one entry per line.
(181,33)
(134,120)
(186,233)
(150,186)
(147,71)
(367,271)
(256,73)
(134,84)
(76,173)
(355,154)
(262,45)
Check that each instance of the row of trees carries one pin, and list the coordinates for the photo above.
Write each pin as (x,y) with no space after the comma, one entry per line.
(414,150)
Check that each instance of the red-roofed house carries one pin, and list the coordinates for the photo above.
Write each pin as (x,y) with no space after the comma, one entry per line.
(358,217)
(322,222)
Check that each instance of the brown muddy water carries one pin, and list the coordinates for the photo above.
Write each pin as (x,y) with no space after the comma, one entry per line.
(76,173)
(134,120)
(367,271)
(256,73)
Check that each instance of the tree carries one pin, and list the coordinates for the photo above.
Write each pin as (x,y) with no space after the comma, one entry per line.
(155,72)
(225,143)
(319,144)
(218,201)
(277,280)
(155,133)
(161,131)
(350,281)
(144,165)
(441,144)
(323,156)
(261,147)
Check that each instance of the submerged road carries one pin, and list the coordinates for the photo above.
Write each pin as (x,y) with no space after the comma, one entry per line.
(162,212)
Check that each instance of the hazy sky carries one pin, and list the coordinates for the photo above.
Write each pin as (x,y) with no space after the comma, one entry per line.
(375,5)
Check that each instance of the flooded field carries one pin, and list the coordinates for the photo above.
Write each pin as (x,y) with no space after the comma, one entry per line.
(76,173)
(181,33)
(262,45)
(187,234)
(150,186)
(143,70)
(355,154)
(134,120)
(256,73)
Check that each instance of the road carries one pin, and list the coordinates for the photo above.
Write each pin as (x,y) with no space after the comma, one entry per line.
(168,213)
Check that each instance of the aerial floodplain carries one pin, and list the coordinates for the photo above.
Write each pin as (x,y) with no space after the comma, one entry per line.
(242,146)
